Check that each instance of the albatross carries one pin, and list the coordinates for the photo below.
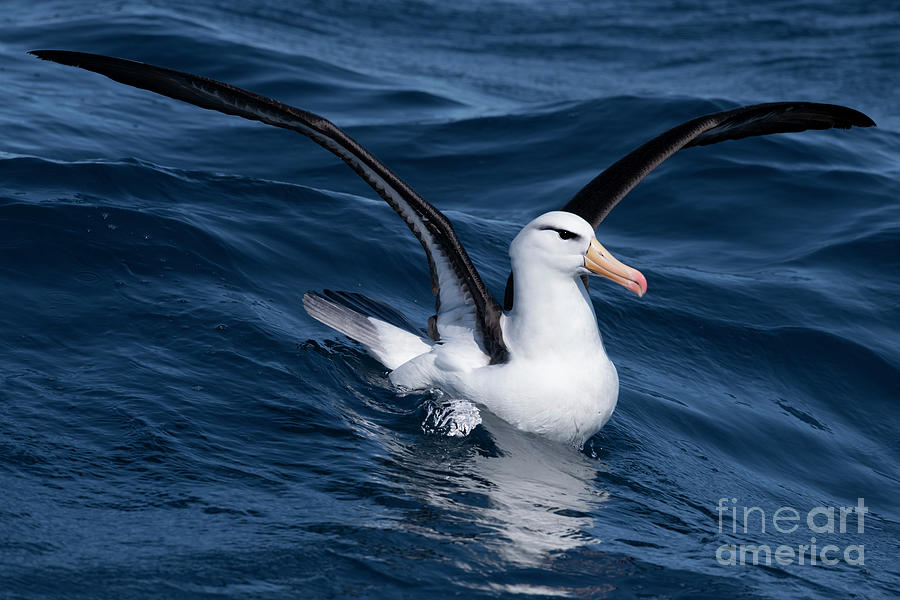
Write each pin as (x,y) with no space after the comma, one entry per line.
(538,360)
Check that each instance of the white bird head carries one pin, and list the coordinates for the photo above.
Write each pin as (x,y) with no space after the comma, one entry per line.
(562,243)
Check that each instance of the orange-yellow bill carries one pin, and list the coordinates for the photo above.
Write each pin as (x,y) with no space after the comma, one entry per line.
(598,260)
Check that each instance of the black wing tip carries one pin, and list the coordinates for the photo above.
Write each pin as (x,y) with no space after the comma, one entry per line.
(66,57)
(98,63)
(84,60)
(844,116)
(862,119)
(778,117)
(855,118)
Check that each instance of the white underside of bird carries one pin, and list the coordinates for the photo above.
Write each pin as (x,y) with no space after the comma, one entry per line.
(567,396)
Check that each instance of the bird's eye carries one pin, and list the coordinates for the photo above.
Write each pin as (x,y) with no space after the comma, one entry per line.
(566,235)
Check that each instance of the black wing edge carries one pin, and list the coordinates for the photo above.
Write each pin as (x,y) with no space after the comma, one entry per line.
(595,200)
(222,97)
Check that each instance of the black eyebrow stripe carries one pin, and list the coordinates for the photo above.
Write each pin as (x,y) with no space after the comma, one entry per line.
(558,230)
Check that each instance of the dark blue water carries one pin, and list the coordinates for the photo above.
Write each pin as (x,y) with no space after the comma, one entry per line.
(173,425)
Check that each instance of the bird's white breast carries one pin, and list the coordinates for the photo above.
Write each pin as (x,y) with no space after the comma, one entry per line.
(568,399)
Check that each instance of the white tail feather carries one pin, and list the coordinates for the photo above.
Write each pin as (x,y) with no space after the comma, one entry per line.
(389,344)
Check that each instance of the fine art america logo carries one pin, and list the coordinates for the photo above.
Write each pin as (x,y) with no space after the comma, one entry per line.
(827,521)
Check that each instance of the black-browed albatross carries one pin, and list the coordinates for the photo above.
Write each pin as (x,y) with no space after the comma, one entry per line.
(540,363)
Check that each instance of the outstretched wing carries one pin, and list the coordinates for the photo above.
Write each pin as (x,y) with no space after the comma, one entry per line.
(594,201)
(462,298)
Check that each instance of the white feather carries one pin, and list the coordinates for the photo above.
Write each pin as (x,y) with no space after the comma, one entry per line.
(558,381)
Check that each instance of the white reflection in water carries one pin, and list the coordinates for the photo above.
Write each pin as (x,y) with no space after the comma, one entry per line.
(539,495)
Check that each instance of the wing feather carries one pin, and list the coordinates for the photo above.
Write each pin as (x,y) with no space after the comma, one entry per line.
(595,200)
(461,296)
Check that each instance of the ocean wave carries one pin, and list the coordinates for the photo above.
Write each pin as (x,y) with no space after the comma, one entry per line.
(162,383)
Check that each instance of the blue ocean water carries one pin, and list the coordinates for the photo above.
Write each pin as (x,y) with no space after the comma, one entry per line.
(173,425)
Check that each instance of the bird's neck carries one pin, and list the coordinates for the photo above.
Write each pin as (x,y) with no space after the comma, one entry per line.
(551,315)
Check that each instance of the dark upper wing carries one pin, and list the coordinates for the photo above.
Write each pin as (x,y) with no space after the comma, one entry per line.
(598,197)
(462,298)
(601,195)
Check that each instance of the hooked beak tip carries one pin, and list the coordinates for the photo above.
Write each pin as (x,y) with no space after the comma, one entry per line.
(599,261)
(640,283)
(637,283)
